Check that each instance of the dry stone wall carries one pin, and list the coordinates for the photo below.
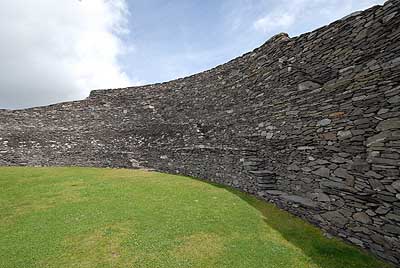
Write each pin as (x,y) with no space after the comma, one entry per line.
(311,123)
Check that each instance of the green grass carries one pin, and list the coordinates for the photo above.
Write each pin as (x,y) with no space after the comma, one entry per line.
(86,217)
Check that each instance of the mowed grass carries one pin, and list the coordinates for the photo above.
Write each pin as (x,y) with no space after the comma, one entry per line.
(86,217)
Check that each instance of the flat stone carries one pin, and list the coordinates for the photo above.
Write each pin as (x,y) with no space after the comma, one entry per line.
(359,229)
(275,192)
(347,69)
(359,98)
(336,218)
(322,162)
(393,123)
(339,160)
(308,85)
(383,161)
(342,173)
(293,167)
(373,174)
(356,241)
(379,138)
(362,121)
(362,217)
(321,197)
(392,216)
(360,165)
(377,238)
(292,113)
(382,210)
(376,185)
(396,185)
(387,18)
(337,185)
(361,35)
(383,111)
(342,135)
(323,172)
(300,200)
(391,229)
(395,99)
(304,148)
(324,122)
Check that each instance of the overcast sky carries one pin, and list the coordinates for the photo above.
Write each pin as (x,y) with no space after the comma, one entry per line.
(59,50)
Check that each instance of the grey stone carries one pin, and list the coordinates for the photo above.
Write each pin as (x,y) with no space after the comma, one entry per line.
(342,173)
(275,192)
(324,122)
(396,185)
(388,124)
(387,18)
(359,98)
(394,100)
(339,160)
(336,218)
(379,138)
(376,185)
(382,210)
(383,161)
(392,216)
(362,217)
(293,167)
(360,165)
(361,35)
(342,135)
(356,241)
(323,172)
(373,174)
(321,197)
(394,229)
(300,200)
(304,148)
(322,162)
(327,184)
(383,111)
(308,85)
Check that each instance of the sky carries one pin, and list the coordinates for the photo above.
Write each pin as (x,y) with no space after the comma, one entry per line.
(55,51)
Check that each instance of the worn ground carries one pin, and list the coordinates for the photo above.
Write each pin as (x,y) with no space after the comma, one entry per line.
(86,217)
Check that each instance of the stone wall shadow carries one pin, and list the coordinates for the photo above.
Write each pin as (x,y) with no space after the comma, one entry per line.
(324,251)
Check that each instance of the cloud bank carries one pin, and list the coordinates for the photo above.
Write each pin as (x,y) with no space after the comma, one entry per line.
(53,51)
(284,15)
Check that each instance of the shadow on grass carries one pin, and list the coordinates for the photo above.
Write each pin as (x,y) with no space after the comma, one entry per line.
(324,252)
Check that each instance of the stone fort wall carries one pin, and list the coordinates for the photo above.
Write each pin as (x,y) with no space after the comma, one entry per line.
(311,123)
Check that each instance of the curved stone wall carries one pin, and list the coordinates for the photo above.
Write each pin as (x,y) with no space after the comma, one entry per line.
(311,123)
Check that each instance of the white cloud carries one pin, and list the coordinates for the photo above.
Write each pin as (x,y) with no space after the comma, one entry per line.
(54,51)
(286,14)
(271,22)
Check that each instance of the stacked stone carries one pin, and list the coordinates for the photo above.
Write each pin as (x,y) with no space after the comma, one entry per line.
(311,123)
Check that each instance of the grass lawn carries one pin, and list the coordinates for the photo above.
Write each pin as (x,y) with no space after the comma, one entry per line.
(87,217)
